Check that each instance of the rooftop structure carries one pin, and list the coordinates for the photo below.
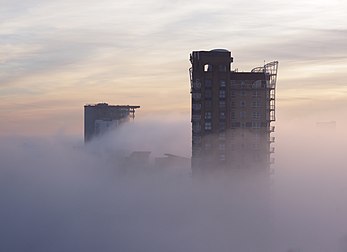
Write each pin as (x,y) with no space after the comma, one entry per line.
(102,117)
(231,114)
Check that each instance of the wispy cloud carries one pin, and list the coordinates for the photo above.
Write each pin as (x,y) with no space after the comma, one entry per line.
(88,50)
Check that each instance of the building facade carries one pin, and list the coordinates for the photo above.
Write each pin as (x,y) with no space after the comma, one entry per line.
(101,117)
(231,114)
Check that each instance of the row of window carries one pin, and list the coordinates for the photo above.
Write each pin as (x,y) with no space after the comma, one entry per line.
(243,84)
(221,94)
(235,156)
(223,83)
(208,94)
(238,136)
(222,147)
(238,162)
(210,68)
(253,124)
(256,115)
(222,104)
(222,125)
(255,144)
(208,83)
(255,104)
(255,93)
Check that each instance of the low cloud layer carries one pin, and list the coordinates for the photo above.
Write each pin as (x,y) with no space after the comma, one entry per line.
(59,195)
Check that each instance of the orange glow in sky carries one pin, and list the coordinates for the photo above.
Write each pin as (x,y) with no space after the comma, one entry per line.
(56,56)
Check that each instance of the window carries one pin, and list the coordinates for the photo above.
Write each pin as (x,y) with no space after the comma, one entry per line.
(256,115)
(233,104)
(197,84)
(256,84)
(233,115)
(208,115)
(196,139)
(208,125)
(256,104)
(196,117)
(208,105)
(242,93)
(196,96)
(222,94)
(243,114)
(196,106)
(248,124)
(208,83)
(222,68)
(208,94)
(243,84)
(235,125)
(222,83)
(221,104)
(207,68)
(222,157)
(255,93)
(196,150)
(221,136)
(208,146)
(233,83)
(232,93)
(256,125)
(196,127)
(222,125)
(222,147)
(222,115)
(242,103)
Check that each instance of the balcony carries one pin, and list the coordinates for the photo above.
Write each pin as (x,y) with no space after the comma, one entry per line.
(271,129)
(271,107)
(271,85)
(271,139)
(271,117)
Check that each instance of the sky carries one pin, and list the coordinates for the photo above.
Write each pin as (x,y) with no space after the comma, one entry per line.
(56,56)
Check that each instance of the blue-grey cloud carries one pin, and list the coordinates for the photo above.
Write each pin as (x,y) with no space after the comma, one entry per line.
(58,195)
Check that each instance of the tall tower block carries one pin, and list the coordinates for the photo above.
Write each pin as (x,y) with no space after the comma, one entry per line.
(231,114)
(102,117)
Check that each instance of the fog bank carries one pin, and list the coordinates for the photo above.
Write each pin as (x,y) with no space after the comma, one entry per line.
(59,195)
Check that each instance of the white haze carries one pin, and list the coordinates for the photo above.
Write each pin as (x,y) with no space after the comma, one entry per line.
(59,195)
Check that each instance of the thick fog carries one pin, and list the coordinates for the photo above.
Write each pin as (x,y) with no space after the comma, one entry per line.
(58,194)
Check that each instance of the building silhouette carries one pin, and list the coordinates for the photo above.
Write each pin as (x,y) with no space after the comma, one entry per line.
(101,117)
(231,114)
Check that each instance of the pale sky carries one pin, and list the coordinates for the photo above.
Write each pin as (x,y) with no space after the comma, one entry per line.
(56,56)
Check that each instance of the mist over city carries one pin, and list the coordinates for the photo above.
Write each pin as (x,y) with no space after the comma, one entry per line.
(173,126)
(59,195)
